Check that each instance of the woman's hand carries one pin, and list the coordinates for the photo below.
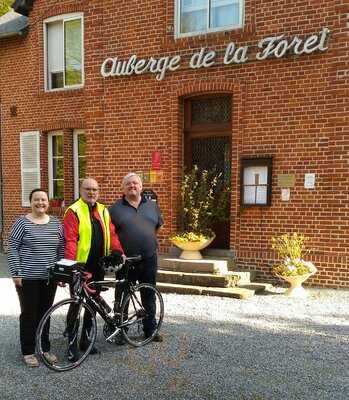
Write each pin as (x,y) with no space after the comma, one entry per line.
(17,281)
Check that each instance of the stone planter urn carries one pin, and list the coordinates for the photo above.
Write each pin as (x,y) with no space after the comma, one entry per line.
(191,250)
(296,289)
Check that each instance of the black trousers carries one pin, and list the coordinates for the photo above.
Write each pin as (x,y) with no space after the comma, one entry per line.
(144,272)
(35,298)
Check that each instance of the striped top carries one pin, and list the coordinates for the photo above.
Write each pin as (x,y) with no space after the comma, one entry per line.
(33,248)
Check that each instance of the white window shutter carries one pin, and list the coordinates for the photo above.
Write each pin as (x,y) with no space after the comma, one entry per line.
(30,164)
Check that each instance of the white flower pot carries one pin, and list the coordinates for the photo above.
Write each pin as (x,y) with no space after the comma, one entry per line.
(191,250)
(296,289)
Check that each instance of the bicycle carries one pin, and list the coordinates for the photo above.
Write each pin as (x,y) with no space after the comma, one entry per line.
(125,318)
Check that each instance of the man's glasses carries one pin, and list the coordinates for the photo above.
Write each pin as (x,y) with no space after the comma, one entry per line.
(88,189)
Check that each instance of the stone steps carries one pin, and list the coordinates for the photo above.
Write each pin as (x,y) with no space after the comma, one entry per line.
(197,279)
(209,266)
(209,276)
(234,292)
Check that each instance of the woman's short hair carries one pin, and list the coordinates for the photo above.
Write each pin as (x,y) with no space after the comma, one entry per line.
(36,190)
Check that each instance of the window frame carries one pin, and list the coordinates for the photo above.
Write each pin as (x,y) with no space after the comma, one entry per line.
(208,30)
(76,156)
(50,162)
(256,162)
(63,18)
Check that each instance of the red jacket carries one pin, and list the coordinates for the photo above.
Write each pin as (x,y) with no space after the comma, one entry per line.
(71,234)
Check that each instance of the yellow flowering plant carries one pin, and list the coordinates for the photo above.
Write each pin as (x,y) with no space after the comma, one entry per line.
(188,237)
(290,247)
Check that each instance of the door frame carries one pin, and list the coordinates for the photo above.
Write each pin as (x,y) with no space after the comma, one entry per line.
(201,131)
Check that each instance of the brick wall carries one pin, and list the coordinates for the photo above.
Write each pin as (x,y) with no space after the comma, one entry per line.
(294,109)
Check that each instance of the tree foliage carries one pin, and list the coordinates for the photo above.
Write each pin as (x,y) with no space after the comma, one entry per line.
(5,6)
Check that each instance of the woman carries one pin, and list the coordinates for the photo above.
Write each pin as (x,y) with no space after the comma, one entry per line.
(35,244)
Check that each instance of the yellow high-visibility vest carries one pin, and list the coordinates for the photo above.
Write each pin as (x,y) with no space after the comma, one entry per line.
(81,210)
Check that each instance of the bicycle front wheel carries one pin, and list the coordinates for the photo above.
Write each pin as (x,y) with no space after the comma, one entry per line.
(59,333)
(142,312)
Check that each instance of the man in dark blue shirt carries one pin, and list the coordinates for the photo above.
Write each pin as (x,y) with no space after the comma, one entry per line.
(137,221)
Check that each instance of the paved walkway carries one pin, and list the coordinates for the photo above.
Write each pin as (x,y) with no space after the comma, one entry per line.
(264,348)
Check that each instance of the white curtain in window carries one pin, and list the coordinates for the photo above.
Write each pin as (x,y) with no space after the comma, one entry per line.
(224,13)
(30,164)
(193,15)
(55,53)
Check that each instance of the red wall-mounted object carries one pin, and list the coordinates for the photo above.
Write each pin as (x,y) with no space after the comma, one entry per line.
(156,160)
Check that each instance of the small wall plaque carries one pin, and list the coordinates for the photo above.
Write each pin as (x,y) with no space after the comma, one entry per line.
(285,194)
(286,180)
(309,181)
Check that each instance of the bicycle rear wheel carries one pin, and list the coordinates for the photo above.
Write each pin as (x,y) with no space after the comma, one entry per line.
(63,324)
(137,318)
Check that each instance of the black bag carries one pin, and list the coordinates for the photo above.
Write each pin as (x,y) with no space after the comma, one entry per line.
(63,270)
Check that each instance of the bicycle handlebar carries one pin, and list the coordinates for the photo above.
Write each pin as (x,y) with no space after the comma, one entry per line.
(109,263)
(134,258)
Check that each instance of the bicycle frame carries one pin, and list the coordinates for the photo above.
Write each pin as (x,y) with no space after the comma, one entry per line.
(85,291)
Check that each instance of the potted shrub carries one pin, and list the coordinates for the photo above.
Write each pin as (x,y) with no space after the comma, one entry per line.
(202,198)
(293,268)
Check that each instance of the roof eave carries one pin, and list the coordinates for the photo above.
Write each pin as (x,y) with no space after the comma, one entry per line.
(13,24)
(6,35)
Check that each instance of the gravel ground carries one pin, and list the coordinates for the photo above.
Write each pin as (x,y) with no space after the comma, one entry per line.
(267,347)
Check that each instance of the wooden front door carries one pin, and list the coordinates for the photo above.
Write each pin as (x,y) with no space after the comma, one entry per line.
(207,144)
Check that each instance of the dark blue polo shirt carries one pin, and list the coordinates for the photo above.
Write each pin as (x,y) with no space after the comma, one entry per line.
(136,227)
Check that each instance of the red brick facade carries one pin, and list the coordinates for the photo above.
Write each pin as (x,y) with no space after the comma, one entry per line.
(294,109)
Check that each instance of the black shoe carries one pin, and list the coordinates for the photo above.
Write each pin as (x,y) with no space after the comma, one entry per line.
(157,338)
(73,353)
(119,339)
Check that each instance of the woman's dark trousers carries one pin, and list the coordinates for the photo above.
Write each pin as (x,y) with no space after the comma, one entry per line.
(35,298)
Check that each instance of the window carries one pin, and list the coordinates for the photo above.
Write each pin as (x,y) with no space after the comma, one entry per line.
(200,16)
(55,165)
(30,164)
(211,110)
(79,159)
(256,181)
(64,51)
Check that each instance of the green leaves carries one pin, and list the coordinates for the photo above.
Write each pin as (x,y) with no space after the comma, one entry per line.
(5,6)
(204,198)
